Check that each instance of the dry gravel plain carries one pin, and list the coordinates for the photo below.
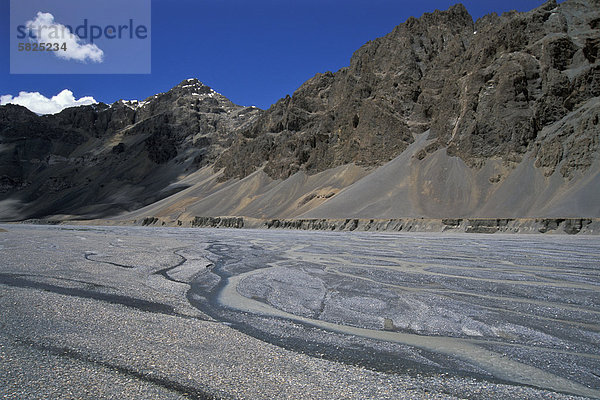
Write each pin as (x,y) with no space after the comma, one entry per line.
(151,313)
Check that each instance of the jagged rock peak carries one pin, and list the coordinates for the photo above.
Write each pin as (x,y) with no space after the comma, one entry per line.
(457,12)
(190,81)
(193,85)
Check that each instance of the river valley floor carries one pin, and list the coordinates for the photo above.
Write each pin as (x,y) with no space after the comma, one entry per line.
(174,313)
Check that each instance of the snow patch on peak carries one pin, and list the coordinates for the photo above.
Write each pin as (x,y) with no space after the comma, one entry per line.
(133,104)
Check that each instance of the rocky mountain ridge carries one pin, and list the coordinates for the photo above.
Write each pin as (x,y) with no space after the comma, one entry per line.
(105,159)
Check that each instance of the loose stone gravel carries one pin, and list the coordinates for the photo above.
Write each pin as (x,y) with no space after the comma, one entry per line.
(93,313)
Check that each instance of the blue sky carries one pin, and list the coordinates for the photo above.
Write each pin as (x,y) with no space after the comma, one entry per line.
(253,52)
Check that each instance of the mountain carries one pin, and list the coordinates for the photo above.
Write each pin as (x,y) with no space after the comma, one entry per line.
(443,117)
(101,160)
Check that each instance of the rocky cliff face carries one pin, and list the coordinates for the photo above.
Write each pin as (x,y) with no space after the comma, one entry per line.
(465,115)
(361,114)
(520,74)
(485,89)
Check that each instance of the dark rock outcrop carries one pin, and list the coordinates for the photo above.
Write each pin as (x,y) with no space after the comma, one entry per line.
(218,222)
(571,226)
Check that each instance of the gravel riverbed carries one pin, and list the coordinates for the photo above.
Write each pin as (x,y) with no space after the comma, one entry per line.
(114,313)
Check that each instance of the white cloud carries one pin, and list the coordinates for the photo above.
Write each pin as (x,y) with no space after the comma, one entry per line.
(40,104)
(46,30)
